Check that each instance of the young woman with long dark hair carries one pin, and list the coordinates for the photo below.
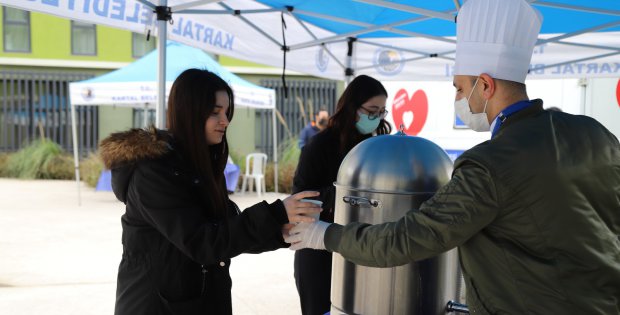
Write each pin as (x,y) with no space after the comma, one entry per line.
(180,230)
(359,115)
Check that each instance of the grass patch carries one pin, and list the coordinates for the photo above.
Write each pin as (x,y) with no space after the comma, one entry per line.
(4,161)
(290,151)
(286,173)
(60,167)
(44,159)
(33,161)
(237,159)
(90,169)
(287,164)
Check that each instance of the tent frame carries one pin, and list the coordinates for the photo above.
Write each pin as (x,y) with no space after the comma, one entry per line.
(347,65)
(165,13)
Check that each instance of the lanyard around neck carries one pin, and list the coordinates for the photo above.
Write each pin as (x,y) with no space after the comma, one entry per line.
(503,115)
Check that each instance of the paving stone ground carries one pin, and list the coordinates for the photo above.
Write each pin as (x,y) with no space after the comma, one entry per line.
(58,258)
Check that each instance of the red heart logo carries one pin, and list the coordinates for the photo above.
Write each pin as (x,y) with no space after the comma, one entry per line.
(410,112)
(618,93)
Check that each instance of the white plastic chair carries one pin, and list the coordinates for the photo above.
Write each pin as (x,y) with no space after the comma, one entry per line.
(255,164)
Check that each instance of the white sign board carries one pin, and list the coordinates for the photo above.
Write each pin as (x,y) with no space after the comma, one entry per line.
(426,109)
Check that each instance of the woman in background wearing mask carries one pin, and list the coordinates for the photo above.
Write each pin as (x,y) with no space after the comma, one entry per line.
(359,115)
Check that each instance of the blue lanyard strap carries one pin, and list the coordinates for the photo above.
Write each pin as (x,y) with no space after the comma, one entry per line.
(501,118)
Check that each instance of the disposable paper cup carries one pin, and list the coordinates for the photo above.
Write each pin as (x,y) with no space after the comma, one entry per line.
(316,202)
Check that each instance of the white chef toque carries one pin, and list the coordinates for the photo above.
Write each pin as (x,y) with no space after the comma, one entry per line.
(496,37)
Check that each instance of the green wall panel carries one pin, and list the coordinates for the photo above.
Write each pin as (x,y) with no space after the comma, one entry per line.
(50,38)
(229,61)
(114,44)
(240,133)
(46,39)
(114,119)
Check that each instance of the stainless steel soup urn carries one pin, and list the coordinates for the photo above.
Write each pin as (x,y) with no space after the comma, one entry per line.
(380,180)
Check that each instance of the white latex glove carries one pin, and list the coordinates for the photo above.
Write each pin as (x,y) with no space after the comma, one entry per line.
(307,235)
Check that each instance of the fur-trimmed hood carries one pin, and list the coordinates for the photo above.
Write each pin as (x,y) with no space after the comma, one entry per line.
(120,152)
(130,146)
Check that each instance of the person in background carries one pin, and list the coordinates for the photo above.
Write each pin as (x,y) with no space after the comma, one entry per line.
(312,128)
(180,230)
(534,212)
(360,114)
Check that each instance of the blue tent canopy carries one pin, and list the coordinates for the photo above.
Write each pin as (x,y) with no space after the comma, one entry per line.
(560,16)
(180,58)
(388,39)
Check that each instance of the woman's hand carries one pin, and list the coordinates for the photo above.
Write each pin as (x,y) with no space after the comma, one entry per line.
(300,211)
(286,230)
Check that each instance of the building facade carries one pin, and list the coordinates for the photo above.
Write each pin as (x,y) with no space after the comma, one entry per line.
(40,54)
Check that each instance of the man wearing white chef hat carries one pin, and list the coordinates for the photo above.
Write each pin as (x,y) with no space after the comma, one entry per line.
(495,40)
(534,211)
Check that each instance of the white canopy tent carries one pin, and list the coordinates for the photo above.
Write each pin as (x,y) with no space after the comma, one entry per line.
(387,39)
(135,85)
(318,32)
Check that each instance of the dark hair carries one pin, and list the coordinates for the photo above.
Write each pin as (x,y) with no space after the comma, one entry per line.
(514,88)
(358,91)
(191,101)
(511,87)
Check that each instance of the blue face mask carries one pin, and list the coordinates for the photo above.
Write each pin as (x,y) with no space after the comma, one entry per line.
(365,125)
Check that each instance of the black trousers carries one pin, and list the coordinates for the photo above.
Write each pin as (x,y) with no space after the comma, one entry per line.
(313,275)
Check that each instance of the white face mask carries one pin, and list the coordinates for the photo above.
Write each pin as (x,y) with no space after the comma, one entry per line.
(475,121)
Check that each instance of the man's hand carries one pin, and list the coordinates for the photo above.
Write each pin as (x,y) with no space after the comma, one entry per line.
(307,235)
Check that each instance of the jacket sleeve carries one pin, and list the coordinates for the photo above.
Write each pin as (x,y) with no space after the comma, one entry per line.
(455,213)
(166,205)
(310,173)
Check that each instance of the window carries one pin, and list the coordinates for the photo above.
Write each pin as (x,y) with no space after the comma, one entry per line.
(140,46)
(139,119)
(16,30)
(83,39)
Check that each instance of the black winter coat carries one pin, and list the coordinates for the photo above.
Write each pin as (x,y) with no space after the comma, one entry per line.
(176,255)
(317,169)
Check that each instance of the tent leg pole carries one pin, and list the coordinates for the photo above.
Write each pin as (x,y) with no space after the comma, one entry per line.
(275,149)
(583,84)
(162,24)
(145,112)
(76,159)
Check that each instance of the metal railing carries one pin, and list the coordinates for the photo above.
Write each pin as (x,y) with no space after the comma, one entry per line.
(36,104)
(318,93)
